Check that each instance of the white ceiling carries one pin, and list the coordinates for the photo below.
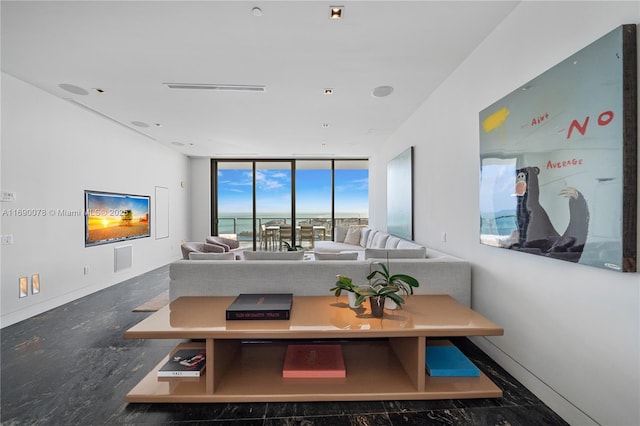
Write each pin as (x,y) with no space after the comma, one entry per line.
(129,49)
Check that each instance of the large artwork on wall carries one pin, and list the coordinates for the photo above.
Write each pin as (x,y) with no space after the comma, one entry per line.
(400,195)
(558,160)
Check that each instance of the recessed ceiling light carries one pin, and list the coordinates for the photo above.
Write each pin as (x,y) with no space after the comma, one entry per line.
(158,125)
(328,91)
(256,11)
(336,12)
(139,124)
(382,91)
(325,125)
(73,89)
(99,90)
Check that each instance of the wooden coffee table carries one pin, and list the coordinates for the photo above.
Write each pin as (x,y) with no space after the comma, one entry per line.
(384,357)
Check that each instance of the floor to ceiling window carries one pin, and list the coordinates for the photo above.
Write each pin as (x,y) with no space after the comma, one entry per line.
(277,204)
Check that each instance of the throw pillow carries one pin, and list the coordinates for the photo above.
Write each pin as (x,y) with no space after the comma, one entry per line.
(336,256)
(353,236)
(212,256)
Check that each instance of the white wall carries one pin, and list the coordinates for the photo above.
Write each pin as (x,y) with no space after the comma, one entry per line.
(52,151)
(571,331)
(200,198)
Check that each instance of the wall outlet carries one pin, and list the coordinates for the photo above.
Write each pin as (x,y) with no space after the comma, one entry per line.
(7,196)
(6,239)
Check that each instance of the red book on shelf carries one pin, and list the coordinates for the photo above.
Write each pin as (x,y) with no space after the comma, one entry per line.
(313,361)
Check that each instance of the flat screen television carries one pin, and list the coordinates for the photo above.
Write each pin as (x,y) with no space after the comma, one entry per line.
(112,217)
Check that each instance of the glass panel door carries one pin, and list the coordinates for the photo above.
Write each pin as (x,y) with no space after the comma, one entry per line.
(351,185)
(274,204)
(235,200)
(313,201)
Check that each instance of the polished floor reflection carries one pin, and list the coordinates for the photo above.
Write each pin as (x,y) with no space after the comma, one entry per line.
(72,366)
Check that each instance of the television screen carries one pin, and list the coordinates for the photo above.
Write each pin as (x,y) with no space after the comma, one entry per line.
(111,217)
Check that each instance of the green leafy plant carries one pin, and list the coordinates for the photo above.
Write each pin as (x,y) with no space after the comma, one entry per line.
(382,283)
(344,283)
(289,247)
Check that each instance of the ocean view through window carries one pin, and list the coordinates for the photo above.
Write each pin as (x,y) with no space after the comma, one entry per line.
(251,199)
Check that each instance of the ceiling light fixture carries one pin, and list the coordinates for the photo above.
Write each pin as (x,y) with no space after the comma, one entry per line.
(218,87)
(336,12)
(76,90)
(99,90)
(325,125)
(328,91)
(382,91)
(256,11)
(139,124)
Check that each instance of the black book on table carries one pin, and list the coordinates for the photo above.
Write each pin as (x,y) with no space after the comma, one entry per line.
(260,306)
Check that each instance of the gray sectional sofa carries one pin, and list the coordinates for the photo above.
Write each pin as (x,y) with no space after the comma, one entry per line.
(438,273)
(370,243)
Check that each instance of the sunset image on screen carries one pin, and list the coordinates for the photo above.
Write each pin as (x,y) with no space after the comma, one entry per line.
(115,217)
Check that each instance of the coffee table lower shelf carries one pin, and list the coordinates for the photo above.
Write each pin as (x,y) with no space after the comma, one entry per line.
(252,372)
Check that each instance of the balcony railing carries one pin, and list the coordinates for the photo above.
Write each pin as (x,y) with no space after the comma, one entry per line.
(243,227)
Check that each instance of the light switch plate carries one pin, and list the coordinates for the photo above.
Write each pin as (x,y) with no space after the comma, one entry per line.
(7,196)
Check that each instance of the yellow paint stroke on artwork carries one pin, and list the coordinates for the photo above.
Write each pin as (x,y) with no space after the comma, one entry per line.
(495,120)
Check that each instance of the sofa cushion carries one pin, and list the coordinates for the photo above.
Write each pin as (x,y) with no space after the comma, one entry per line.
(406,244)
(272,255)
(364,236)
(353,235)
(339,233)
(417,253)
(212,256)
(379,240)
(337,256)
(392,242)
(372,235)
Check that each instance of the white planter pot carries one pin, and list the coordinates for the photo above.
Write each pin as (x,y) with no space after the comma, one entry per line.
(352,299)
(390,304)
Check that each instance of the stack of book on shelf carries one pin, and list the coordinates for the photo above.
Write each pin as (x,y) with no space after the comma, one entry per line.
(313,361)
(184,363)
(448,360)
(261,306)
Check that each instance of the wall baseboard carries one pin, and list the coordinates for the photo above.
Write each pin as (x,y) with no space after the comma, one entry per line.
(554,400)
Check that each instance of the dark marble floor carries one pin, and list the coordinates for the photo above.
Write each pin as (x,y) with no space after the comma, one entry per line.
(72,366)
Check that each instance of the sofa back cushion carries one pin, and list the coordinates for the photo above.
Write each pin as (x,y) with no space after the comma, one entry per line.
(272,255)
(392,242)
(212,256)
(337,256)
(364,236)
(373,253)
(339,233)
(379,240)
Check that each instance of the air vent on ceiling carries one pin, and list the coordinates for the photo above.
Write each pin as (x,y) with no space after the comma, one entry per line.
(219,87)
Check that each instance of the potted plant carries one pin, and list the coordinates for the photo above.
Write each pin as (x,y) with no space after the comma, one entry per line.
(383,285)
(289,247)
(344,283)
